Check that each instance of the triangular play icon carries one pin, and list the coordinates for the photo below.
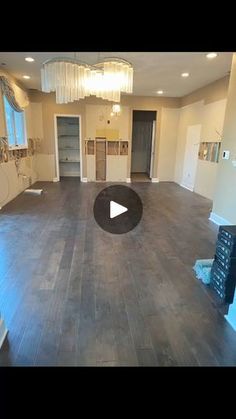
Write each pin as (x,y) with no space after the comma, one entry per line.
(116,209)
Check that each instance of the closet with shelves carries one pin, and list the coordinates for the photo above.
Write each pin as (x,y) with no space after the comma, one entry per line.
(68,140)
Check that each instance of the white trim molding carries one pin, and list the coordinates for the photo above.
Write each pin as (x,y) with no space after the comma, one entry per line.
(128,180)
(55,179)
(84,179)
(186,187)
(155,180)
(218,220)
(3,331)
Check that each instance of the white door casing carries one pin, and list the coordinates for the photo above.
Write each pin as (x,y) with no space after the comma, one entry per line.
(57,169)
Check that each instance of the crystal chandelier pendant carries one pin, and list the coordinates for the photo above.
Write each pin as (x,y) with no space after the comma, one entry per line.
(72,80)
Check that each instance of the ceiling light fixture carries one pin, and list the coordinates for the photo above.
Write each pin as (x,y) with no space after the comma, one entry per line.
(160,92)
(185,74)
(26,77)
(73,80)
(211,55)
(29,59)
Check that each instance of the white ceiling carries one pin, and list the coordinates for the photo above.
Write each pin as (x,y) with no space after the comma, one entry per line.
(152,70)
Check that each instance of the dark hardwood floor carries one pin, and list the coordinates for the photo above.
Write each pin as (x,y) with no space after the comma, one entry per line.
(72,294)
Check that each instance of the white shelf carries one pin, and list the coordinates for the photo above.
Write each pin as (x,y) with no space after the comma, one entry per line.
(68,135)
(69,161)
(68,148)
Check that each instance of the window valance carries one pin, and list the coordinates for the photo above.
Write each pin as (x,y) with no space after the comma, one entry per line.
(16,96)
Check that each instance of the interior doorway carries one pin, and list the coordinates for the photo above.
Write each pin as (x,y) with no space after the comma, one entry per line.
(143,139)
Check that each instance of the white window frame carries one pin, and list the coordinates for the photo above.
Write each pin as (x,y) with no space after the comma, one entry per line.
(15,147)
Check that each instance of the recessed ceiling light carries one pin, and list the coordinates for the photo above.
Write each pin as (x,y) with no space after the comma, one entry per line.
(160,92)
(29,59)
(26,77)
(185,74)
(212,55)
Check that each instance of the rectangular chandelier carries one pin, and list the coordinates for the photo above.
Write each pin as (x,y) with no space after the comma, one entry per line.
(72,80)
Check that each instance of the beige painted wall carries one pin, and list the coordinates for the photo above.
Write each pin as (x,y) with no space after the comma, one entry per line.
(206,107)
(128,103)
(44,160)
(168,144)
(205,180)
(211,93)
(224,204)
(213,119)
(97,117)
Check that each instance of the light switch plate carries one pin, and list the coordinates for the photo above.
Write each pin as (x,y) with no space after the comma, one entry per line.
(234,163)
(225,154)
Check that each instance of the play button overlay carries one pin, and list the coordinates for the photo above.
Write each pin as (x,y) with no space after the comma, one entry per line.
(118,209)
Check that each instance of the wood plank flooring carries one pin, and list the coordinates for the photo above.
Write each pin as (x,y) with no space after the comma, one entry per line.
(74,295)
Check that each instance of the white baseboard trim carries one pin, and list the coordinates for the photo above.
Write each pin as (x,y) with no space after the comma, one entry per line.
(84,179)
(155,180)
(3,332)
(128,180)
(185,187)
(218,220)
(55,179)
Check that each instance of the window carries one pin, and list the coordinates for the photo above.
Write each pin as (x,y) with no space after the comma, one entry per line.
(15,122)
